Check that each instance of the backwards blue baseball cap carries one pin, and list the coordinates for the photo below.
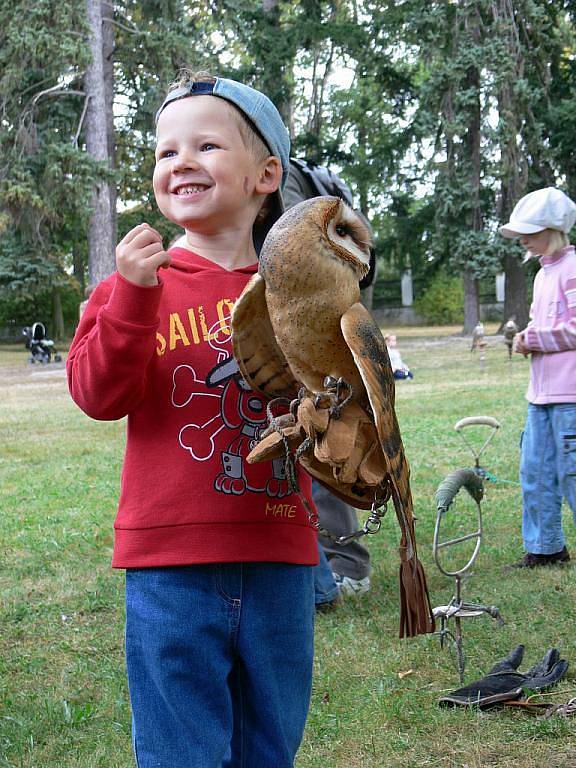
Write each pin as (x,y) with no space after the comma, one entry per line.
(265,119)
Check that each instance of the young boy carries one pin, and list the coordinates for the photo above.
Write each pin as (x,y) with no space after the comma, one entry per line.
(219,588)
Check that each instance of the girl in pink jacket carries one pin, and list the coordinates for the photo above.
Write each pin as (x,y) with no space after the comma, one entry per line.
(542,221)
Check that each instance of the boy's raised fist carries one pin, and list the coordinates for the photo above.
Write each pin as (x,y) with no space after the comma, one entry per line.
(140,254)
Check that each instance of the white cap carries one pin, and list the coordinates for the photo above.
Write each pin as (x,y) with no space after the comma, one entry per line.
(547,208)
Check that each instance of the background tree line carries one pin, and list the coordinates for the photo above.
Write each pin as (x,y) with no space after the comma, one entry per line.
(440,114)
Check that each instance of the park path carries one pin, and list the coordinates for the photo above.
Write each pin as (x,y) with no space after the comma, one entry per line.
(22,374)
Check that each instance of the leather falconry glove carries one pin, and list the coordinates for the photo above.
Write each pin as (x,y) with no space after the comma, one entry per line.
(505,683)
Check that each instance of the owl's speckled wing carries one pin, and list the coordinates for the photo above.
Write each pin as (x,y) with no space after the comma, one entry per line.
(259,357)
(371,356)
(363,337)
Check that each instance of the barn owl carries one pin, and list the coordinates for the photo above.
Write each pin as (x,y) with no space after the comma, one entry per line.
(299,327)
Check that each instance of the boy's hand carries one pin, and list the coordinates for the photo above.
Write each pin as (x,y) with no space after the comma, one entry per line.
(140,254)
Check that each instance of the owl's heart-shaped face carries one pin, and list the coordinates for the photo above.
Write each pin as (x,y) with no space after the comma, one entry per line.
(319,227)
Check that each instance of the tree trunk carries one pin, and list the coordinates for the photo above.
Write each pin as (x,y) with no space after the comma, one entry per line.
(474,164)
(511,190)
(108,67)
(78,267)
(515,295)
(471,302)
(101,241)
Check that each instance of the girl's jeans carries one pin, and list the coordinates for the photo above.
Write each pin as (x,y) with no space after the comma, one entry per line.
(547,473)
(219,662)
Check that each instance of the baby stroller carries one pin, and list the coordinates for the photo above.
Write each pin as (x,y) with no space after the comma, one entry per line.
(41,348)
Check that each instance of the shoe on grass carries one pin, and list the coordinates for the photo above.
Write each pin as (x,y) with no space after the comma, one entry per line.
(530,560)
(351,587)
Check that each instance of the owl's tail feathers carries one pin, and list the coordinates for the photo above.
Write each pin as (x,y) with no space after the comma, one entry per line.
(416,616)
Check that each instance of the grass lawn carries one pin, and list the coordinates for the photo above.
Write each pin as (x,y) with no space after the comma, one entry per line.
(63,697)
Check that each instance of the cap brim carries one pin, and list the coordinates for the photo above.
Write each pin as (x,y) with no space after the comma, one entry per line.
(517,228)
(275,210)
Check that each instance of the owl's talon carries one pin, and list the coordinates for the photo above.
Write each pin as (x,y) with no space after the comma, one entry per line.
(338,392)
(324,400)
(302,393)
(336,409)
(342,384)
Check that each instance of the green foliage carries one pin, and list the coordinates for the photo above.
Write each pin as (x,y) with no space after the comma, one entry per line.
(17,310)
(149,213)
(27,280)
(405,230)
(480,249)
(443,300)
(23,270)
(46,178)
(426,77)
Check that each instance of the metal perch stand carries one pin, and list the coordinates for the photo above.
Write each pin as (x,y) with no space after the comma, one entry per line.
(473,481)
(470,421)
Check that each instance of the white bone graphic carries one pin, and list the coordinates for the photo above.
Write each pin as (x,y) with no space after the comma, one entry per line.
(197,391)
(200,437)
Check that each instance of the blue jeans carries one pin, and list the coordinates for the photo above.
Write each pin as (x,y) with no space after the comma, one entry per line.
(350,559)
(219,662)
(325,588)
(547,474)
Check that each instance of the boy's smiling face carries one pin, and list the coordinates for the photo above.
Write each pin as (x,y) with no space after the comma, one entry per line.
(205,178)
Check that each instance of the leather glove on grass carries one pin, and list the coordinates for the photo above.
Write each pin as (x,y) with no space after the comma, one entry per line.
(505,683)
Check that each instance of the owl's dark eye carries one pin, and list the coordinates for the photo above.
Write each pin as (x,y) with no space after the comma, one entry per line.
(342,230)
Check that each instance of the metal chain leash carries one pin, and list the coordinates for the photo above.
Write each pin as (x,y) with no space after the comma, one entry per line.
(370,527)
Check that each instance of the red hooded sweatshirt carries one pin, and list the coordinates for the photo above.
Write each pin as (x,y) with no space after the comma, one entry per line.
(162,356)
